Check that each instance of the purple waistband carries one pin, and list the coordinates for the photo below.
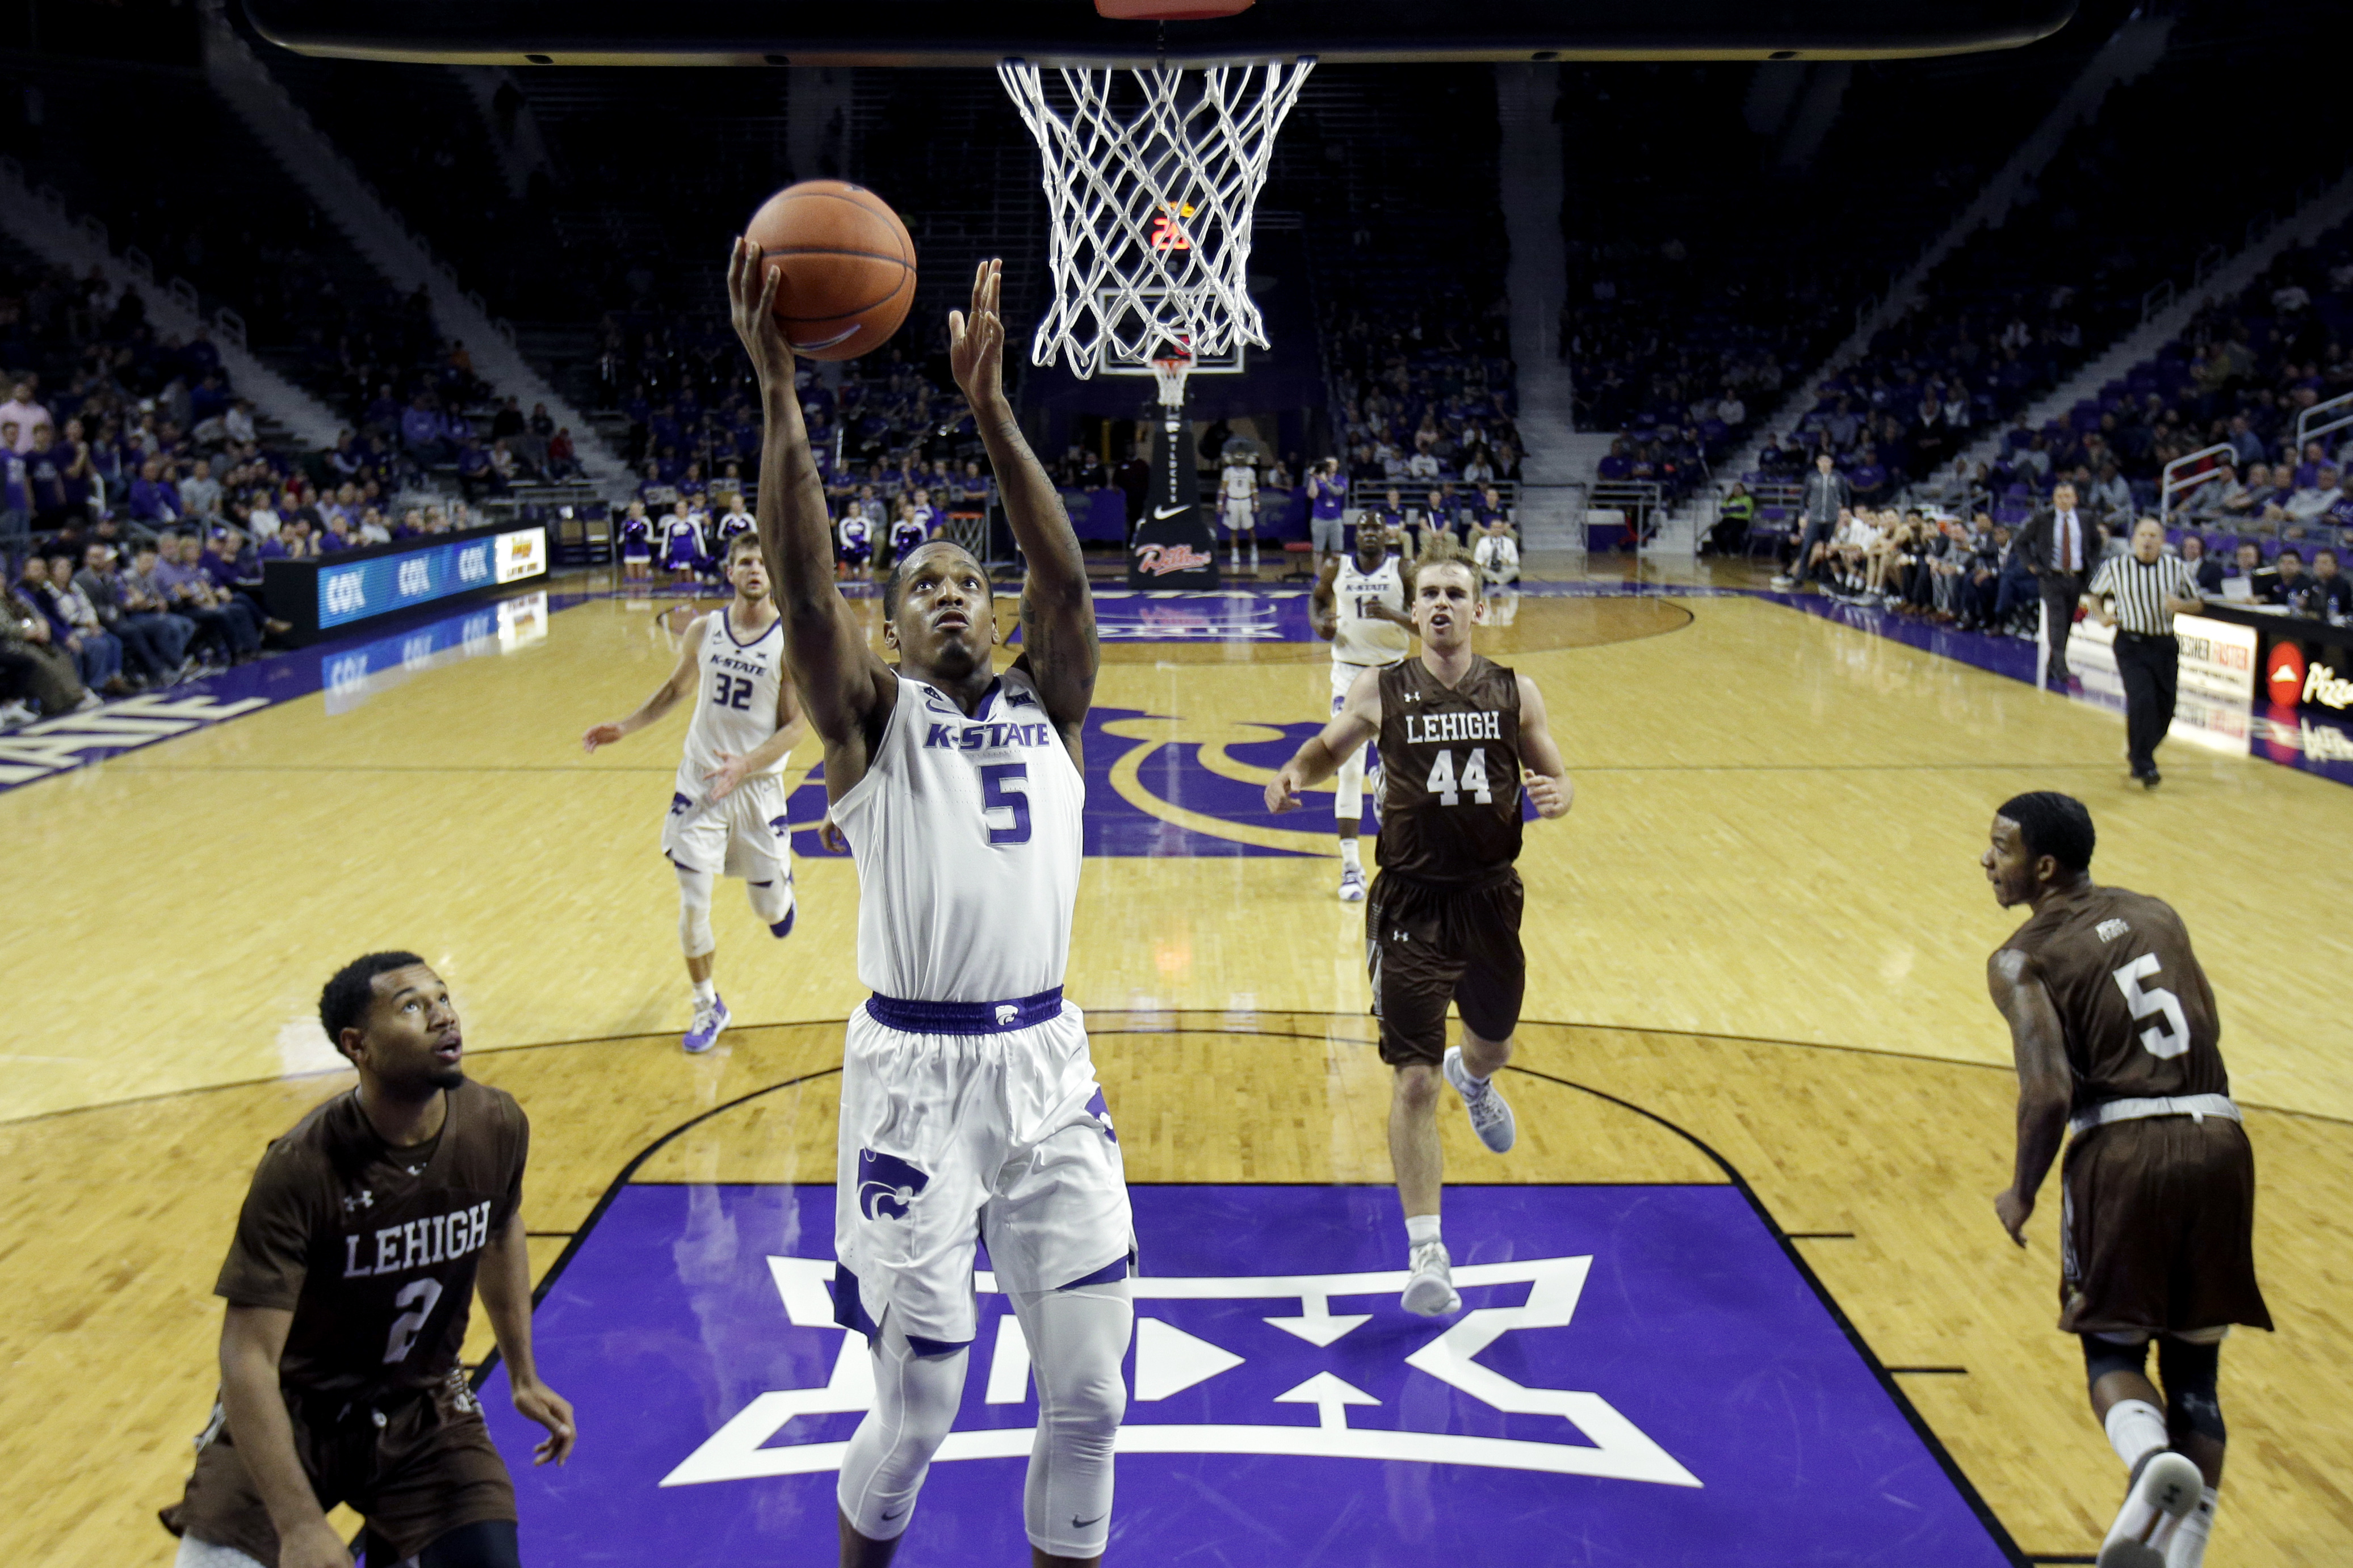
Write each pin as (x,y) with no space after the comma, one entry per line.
(964,1018)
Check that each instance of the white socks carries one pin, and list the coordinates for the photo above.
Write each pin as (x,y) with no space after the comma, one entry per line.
(1420,1229)
(1350,856)
(2187,1549)
(705,992)
(2136,1430)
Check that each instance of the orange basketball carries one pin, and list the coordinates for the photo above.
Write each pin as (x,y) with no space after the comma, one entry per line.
(848,266)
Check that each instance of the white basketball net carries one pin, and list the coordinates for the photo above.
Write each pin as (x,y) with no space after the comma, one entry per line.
(1150,176)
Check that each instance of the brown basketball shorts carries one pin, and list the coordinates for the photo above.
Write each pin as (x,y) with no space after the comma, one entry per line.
(1426,946)
(2157,1231)
(429,1469)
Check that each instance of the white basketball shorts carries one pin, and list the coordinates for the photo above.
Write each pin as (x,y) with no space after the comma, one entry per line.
(1241,517)
(747,834)
(965,1123)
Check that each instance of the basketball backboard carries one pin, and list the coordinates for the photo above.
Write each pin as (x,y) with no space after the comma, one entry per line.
(983,32)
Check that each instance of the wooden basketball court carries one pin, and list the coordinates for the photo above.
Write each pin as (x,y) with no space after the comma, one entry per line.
(1756,952)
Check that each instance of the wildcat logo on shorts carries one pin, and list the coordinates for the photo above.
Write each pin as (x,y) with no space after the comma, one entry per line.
(1006,1013)
(887,1184)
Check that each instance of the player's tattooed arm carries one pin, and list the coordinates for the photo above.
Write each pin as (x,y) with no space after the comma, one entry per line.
(1058,609)
(2044,1084)
(667,695)
(504,1283)
(847,691)
(1544,773)
(1358,720)
(252,1340)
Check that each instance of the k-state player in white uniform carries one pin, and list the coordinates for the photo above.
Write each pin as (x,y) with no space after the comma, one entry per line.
(1238,496)
(727,804)
(967,1092)
(1358,606)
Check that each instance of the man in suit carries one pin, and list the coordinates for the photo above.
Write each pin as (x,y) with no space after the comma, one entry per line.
(2061,546)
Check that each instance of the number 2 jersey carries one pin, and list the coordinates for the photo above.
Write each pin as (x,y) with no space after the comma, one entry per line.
(372,1248)
(2135,1007)
(969,839)
(1451,775)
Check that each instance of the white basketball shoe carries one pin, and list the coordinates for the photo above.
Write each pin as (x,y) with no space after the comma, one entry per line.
(1352,885)
(1430,1288)
(1491,1118)
(2164,1489)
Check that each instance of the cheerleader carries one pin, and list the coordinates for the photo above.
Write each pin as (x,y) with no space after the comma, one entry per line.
(907,532)
(637,544)
(682,542)
(857,535)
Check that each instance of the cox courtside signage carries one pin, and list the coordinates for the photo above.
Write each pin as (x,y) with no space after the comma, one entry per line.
(409,577)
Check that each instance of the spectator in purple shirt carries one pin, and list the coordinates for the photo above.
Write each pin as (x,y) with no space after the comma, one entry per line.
(154,499)
(338,536)
(225,628)
(421,430)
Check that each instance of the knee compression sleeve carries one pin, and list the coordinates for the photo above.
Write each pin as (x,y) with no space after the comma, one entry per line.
(488,1543)
(2191,1372)
(915,1400)
(773,903)
(1077,1338)
(694,938)
(1348,788)
(195,1553)
(2103,1356)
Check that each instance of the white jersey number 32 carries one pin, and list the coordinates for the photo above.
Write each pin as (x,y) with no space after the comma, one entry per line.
(2163,1040)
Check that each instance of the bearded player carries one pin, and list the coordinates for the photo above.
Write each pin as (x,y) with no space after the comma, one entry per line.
(363,1236)
(1358,606)
(2117,1043)
(969,1105)
(727,814)
(1459,737)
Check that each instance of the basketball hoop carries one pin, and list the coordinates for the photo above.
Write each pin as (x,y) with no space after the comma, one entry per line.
(1170,374)
(1150,174)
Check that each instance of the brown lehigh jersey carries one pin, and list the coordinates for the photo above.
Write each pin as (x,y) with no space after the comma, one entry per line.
(2137,1012)
(1451,775)
(374,1249)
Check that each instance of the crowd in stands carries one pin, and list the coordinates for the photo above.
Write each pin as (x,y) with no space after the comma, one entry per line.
(2218,409)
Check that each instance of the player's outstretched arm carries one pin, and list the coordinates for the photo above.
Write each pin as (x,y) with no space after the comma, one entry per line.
(2044,1085)
(252,1340)
(1358,720)
(666,695)
(504,1283)
(1545,773)
(847,691)
(1058,609)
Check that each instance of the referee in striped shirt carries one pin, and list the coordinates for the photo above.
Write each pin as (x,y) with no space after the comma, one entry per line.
(2140,593)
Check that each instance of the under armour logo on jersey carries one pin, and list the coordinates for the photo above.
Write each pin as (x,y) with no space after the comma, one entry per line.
(360,1200)
(887,1184)
(1006,1013)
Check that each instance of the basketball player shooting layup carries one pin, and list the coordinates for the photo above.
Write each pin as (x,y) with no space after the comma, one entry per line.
(2117,1040)
(727,804)
(967,1088)
(1358,606)
(1458,734)
(362,1238)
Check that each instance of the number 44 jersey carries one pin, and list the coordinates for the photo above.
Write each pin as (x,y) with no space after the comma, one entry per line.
(968,835)
(1451,775)
(2132,1000)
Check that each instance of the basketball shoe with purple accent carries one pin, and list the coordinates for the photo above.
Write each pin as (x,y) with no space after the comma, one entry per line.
(707,1021)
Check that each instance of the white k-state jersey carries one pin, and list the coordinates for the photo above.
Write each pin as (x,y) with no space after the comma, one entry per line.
(1241,482)
(967,836)
(1363,638)
(734,702)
